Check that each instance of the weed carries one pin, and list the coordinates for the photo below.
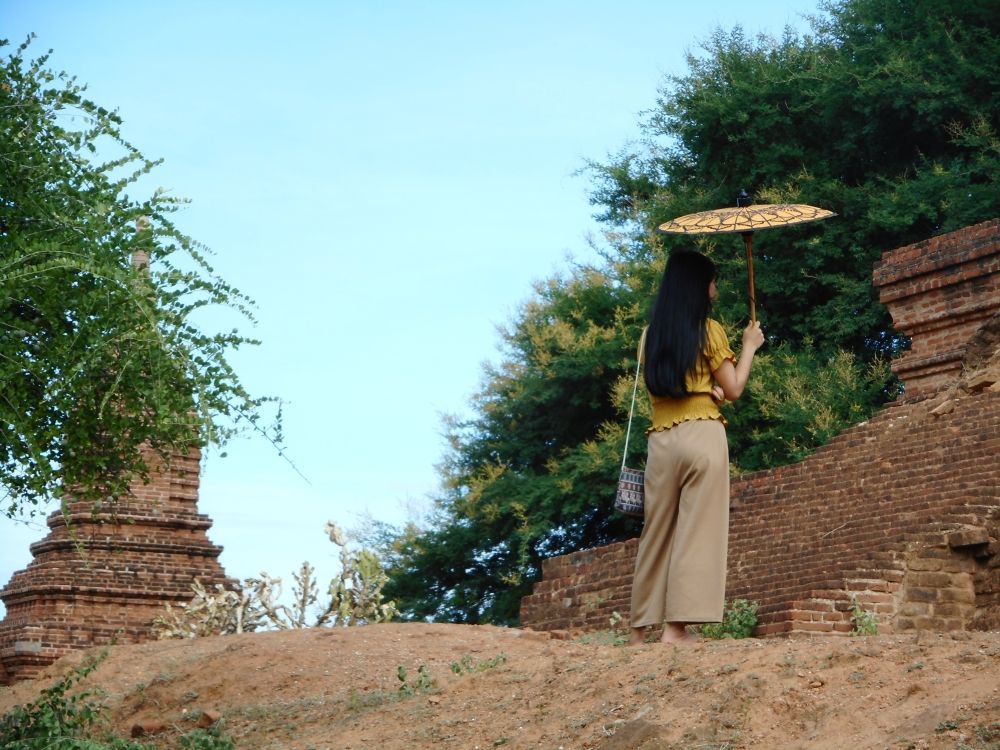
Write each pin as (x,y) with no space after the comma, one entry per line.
(64,718)
(354,599)
(989,734)
(738,621)
(56,718)
(612,636)
(466,665)
(463,665)
(604,638)
(789,665)
(422,684)
(915,666)
(356,699)
(863,622)
(945,726)
(207,739)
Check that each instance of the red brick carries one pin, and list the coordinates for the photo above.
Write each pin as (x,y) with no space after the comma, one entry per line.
(133,561)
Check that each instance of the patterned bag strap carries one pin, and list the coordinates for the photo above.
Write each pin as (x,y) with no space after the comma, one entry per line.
(635,387)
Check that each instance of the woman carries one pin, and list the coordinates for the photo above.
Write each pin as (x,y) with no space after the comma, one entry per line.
(680,569)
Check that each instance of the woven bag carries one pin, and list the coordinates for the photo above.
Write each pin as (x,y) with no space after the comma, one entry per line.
(631,494)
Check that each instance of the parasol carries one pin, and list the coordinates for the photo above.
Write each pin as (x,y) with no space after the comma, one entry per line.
(745,219)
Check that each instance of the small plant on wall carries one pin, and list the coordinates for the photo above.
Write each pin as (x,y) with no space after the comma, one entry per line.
(863,622)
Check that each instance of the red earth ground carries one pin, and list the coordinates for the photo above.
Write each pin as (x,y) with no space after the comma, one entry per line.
(485,687)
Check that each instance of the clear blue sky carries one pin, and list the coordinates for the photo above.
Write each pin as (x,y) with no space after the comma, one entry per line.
(387,180)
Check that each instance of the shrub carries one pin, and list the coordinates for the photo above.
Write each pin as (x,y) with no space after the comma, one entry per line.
(863,621)
(355,599)
(63,718)
(57,719)
(737,622)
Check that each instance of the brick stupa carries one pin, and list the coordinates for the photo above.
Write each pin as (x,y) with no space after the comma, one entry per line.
(99,577)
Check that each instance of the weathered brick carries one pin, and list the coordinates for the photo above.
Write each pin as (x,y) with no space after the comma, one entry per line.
(962,596)
(813,627)
(968,537)
(868,598)
(919,594)
(930,580)
(924,564)
(952,609)
(914,609)
(147,555)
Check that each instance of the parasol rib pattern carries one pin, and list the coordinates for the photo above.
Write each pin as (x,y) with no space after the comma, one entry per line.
(745,219)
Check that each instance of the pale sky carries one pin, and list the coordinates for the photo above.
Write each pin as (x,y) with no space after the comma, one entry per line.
(386,180)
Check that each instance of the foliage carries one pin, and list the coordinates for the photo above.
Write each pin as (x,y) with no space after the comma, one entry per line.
(885,114)
(355,599)
(212,613)
(738,621)
(64,717)
(609,637)
(468,665)
(99,356)
(863,622)
(207,739)
(818,397)
(613,635)
(59,718)
(421,684)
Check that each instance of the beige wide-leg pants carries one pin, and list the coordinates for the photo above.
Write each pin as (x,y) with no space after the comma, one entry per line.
(680,570)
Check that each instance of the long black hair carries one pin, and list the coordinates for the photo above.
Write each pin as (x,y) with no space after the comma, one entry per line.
(676,333)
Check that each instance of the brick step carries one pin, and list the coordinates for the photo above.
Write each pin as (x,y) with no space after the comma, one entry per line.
(988,510)
(971,519)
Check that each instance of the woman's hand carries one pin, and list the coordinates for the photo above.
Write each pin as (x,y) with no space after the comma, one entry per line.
(718,394)
(753,337)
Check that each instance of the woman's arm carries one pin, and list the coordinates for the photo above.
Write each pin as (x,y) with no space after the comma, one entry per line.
(733,378)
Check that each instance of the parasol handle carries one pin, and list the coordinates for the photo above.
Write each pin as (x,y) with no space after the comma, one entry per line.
(748,241)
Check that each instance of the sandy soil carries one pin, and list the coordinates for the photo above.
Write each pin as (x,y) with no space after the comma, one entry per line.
(495,687)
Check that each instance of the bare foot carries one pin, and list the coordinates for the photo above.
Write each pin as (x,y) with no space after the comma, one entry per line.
(638,637)
(676,634)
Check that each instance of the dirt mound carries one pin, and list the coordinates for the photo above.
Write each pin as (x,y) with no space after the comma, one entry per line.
(482,687)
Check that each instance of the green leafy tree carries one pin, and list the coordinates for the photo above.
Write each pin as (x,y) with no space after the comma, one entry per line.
(886,113)
(98,355)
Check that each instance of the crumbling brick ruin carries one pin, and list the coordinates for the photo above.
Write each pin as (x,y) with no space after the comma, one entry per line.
(900,514)
(101,576)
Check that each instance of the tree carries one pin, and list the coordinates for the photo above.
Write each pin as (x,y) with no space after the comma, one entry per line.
(886,114)
(98,357)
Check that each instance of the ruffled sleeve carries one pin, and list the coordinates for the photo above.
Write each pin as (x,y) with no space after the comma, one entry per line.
(717,346)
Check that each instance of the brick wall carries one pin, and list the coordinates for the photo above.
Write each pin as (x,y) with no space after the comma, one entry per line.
(104,575)
(898,515)
(940,292)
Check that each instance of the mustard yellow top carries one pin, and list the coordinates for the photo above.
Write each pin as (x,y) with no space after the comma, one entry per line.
(699,403)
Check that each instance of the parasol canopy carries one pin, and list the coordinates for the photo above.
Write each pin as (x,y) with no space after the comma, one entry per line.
(745,219)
